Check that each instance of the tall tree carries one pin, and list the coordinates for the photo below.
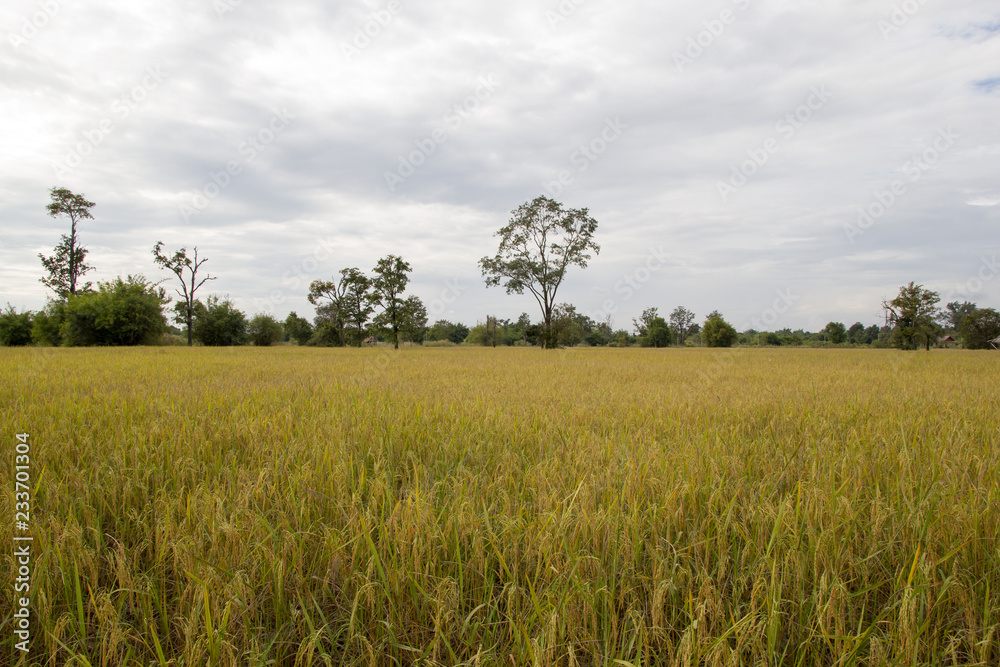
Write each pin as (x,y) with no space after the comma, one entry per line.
(681,320)
(68,263)
(913,313)
(358,307)
(388,286)
(334,294)
(955,312)
(180,264)
(414,325)
(538,245)
(645,321)
(979,328)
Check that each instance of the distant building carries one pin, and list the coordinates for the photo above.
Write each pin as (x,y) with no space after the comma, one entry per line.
(945,341)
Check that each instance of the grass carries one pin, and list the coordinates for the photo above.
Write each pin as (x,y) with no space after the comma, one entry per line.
(453,506)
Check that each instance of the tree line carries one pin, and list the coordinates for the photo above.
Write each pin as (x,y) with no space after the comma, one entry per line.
(538,246)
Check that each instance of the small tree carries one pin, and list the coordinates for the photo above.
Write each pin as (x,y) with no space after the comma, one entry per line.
(298,328)
(121,312)
(180,264)
(414,325)
(836,332)
(645,321)
(979,328)
(387,291)
(956,312)
(658,334)
(68,264)
(264,330)
(537,247)
(717,332)
(329,297)
(219,323)
(15,327)
(913,313)
(681,320)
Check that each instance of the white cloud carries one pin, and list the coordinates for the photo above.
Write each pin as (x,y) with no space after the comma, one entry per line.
(323,177)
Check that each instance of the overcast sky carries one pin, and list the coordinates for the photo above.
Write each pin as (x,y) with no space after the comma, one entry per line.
(787,163)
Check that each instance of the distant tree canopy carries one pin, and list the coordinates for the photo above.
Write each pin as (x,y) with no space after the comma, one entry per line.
(537,247)
(836,332)
(979,327)
(15,327)
(219,323)
(264,331)
(682,322)
(297,328)
(716,332)
(658,334)
(913,315)
(121,312)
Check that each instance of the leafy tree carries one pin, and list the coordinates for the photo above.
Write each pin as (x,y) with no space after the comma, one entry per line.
(955,313)
(837,332)
(264,330)
(979,328)
(445,330)
(565,328)
(682,320)
(856,333)
(658,334)
(120,312)
(330,299)
(717,332)
(359,306)
(180,264)
(538,245)
(68,263)
(913,313)
(46,325)
(297,328)
(15,327)
(219,323)
(645,321)
(388,286)
(414,324)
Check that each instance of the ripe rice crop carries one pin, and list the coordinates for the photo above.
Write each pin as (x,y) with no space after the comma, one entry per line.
(298,506)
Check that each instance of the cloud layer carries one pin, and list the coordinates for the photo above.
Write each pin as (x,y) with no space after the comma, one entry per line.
(831,151)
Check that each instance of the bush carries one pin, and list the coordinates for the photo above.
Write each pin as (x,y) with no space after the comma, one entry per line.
(718,333)
(264,330)
(659,334)
(46,324)
(324,335)
(219,323)
(979,328)
(15,327)
(298,329)
(121,312)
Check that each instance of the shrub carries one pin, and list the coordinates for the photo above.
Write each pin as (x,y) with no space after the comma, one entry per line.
(659,334)
(219,323)
(15,327)
(264,330)
(979,328)
(718,333)
(121,312)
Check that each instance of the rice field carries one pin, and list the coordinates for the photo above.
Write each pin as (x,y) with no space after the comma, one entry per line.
(471,506)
